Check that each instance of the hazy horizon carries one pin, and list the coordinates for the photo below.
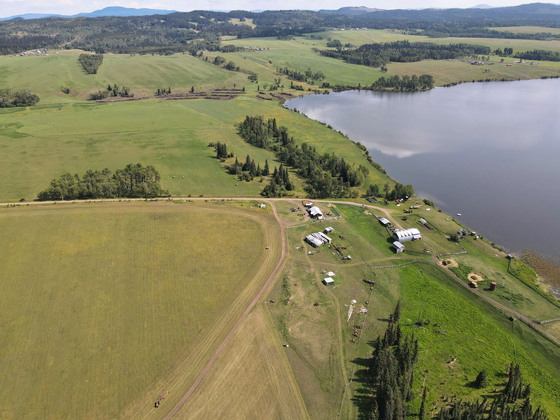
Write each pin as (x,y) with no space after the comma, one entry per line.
(72,7)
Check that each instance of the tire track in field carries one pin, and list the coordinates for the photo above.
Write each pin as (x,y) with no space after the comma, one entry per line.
(212,360)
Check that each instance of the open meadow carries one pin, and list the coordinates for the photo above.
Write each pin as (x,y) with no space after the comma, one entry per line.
(107,306)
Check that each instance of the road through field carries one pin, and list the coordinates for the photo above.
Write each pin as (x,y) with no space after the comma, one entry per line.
(226,340)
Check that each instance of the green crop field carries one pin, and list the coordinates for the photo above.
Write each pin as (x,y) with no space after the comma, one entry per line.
(106,306)
(527,29)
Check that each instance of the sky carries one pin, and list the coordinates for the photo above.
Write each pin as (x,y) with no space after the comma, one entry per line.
(70,7)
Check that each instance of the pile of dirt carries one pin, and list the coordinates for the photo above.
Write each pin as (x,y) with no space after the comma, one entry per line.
(449,263)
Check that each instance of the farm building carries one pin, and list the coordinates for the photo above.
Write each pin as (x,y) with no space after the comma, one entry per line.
(318,239)
(384,221)
(398,247)
(316,213)
(307,203)
(406,235)
(327,281)
(329,230)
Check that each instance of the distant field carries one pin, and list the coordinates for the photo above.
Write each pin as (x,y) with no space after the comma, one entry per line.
(108,305)
(142,74)
(527,29)
(360,37)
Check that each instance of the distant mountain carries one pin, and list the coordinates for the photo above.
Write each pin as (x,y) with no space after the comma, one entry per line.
(352,10)
(482,6)
(125,11)
(107,11)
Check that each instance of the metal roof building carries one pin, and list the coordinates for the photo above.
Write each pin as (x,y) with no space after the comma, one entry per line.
(384,221)
(398,247)
(318,239)
(327,281)
(316,212)
(406,235)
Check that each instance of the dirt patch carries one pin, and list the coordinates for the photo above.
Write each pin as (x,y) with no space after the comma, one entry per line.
(367,212)
(448,263)
(475,278)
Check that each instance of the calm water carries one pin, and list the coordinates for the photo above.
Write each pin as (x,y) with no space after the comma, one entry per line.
(490,151)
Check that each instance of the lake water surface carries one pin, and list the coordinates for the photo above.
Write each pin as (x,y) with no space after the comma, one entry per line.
(490,151)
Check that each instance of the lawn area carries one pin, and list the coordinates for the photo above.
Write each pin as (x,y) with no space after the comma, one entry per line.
(106,306)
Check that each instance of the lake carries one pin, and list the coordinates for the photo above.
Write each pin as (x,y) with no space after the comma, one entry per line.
(490,151)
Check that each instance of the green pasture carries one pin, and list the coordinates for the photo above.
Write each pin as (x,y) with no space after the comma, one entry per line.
(42,142)
(297,55)
(527,29)
(102,303)
(142,74)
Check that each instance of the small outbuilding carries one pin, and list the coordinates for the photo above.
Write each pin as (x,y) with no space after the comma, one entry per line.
(398,247)
(307,203)
(327,281)
(329,230)
(384,221)
(318,239)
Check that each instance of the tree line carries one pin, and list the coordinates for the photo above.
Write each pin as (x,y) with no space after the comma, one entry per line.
(11,98)
(378,55)
(91,62)
(186,32)
(301,76)
(325,175)
(405,83)
(111,91)
(134,181)
(512,403)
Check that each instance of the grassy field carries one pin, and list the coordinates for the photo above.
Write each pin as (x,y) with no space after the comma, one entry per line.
(40,143)
(527,29)
(142,74)
(104,307)
(251,379)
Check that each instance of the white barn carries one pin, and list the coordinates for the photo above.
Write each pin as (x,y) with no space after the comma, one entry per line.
(327,281)
(316,213)
(406,235)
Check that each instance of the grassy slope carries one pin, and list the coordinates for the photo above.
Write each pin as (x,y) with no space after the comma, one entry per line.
(41,143)
(101,303)
(142,74)
(319,336)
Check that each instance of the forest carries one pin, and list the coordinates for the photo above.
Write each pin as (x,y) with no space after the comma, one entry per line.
(134,181)
(377,55)
(194,31)
(325,174)
(10,98)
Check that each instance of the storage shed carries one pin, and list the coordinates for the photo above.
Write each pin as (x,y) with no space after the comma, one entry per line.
(384,221)
(398,247)
(329,230)
(406,235)
(327,281)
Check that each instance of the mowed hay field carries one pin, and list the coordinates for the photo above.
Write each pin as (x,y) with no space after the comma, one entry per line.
(106,306)
(251,379)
